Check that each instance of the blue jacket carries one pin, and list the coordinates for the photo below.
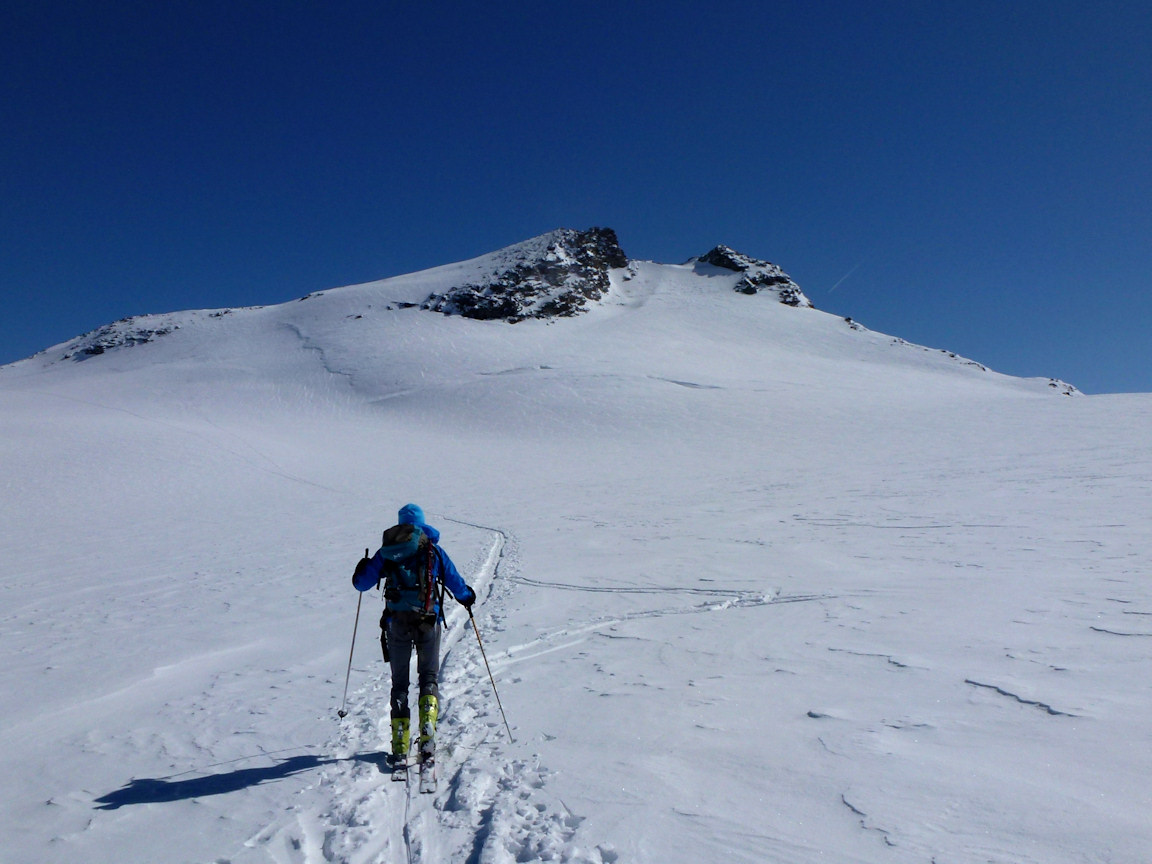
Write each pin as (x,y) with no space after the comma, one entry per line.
(444,572)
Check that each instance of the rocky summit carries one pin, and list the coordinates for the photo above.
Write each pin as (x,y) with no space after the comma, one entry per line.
(559,274)
(555,275)
(758,275)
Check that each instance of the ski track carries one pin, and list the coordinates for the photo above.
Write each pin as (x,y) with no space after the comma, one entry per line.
(488,808)
(492,804)
(568,637)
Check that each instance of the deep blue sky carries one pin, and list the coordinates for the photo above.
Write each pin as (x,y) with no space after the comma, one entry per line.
(969,175)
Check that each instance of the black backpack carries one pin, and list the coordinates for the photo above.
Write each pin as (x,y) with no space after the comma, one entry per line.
(409,579)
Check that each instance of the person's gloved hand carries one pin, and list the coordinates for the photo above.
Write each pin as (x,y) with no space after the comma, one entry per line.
(469,599)
(361,565)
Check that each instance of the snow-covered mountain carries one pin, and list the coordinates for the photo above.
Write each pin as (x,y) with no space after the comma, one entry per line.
(757,583)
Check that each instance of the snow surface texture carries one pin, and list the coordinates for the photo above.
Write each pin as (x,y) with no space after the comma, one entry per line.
(756,585)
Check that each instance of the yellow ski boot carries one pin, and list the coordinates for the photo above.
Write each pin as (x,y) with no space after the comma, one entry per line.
(429,708)
(401,740)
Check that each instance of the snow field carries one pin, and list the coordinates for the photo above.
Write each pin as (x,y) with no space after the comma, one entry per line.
(754,587)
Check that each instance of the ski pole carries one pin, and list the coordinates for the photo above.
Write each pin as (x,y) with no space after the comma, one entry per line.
(480,642)
(342,713)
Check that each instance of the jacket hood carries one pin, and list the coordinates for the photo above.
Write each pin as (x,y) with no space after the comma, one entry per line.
(413,514)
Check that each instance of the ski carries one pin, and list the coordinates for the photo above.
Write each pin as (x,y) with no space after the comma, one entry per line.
(428,776)
(399,770)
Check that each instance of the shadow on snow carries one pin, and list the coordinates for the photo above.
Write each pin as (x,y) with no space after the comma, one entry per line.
(158,790)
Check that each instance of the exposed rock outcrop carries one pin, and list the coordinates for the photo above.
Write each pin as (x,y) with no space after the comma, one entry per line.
(119,334)
(758,276)
(556,275)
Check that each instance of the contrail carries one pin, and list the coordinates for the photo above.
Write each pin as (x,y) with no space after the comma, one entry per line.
(846,275)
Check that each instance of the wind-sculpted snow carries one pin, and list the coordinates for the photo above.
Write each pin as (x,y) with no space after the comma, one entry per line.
(754,585)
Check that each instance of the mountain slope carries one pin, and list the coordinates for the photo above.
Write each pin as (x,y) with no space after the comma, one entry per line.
(754,584)
(555,276)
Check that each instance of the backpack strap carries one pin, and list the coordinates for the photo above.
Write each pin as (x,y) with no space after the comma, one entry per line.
(442,621)
(429,580)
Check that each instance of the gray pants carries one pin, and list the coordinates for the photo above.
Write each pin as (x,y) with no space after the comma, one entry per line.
(405,632)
